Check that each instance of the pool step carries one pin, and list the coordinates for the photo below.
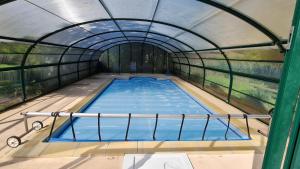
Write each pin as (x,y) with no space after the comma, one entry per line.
(157,161)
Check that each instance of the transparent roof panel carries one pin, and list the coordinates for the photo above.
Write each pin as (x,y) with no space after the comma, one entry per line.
(220,32)
(133,25)
(109,46)
(100,27)
(184,13)
(142,9)
(136,38)
(21,19)
(88,42)
(278,22)
(164,29)
(111,35)
(195,42)
(75,11)
(163,44)
(159,37)
(140,34)
(179,45)
(99,45)
(68,36)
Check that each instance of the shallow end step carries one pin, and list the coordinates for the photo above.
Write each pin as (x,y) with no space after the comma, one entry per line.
(157,161)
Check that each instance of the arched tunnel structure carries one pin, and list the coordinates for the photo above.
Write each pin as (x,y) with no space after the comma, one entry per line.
(224,47)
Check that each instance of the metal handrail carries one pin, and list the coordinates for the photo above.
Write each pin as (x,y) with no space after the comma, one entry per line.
(153,116)
(161,116)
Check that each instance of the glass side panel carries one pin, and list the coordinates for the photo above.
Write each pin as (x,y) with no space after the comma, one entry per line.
(148,59)
(253,96)
(195,61)
(113,61)
(217,64)
(40,80)
(87,55)
(192,55)
(125,57)
(255,54)
(197,75)
(265,69)
(159,60)
(103,61)
(217,83)
(10,88)
(44,54)
(11,53)
(211,54)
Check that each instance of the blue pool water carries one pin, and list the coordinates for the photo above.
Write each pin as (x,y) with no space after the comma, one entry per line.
(145,95)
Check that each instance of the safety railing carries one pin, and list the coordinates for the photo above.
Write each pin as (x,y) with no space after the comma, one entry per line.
(37,125)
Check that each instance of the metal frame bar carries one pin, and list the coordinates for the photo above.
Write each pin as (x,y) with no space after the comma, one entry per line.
(181,126)
(153,116)
(153,16)
(72,126)
(282,151)
(111,16)
(129,116)
(155,126)
(114,19)
(276,40)
(99,129)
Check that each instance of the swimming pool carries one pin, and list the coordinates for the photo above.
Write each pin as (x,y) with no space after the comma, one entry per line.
(145,95)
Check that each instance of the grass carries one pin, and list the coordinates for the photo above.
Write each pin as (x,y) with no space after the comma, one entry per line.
(7,65)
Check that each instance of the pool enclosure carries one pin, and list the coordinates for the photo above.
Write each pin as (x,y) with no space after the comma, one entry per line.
(233,49)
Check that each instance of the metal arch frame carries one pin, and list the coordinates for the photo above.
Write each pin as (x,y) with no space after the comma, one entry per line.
(164,43)
(153,16)
(114,19)
(111,16)
(71,45)
(203,64)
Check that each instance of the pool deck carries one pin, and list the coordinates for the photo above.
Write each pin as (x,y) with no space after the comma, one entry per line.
(36,154)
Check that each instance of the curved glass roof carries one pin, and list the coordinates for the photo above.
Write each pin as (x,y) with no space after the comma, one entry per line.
(210,41)
(187,24)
